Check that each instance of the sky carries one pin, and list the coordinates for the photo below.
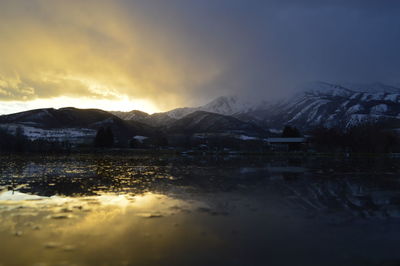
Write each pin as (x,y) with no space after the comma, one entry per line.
(156,55)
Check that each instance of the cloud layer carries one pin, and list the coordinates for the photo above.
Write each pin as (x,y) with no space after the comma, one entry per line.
(181,52)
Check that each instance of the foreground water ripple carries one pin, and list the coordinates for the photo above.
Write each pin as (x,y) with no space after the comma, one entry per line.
(151,210)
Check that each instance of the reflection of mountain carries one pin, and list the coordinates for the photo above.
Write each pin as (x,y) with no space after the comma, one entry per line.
(290,182)
(365,198)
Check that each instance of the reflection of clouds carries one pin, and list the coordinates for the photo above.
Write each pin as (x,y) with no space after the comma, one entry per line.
(85,207)
(108,223)
(208,207)
(137,202)
(16,196)
(123,182)
(82,176)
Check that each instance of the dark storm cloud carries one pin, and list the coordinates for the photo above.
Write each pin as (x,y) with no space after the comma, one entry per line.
(270,47)
(184,52)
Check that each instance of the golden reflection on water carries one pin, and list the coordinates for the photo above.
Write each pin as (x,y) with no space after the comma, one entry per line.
(97,230)
(90,210)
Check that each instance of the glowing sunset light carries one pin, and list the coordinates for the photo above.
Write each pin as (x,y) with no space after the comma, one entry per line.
(121,104)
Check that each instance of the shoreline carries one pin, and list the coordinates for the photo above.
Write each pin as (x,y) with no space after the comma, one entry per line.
(185,152)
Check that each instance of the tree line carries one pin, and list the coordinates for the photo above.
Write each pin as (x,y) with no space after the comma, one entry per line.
(365,138)
(18,142)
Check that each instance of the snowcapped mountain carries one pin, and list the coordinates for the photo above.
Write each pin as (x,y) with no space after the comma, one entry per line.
(154,120)
(224,105)
(134,115)
(314,104)
(207,122)
(331,105)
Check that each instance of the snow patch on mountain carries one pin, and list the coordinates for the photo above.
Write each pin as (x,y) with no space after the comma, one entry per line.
(379,109)
(355,109)
(392,98)
(333,105)
(356,119)
(180,112)
(134,115)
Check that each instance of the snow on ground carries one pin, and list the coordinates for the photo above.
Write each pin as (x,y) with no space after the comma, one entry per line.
(244,137)
(140,138)
(276,131)
(73,135)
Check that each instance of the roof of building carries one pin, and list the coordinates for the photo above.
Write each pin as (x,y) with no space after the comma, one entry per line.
(286,140)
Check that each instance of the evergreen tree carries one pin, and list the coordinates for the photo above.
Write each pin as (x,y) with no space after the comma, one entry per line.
(104,138)
(109,137)
(290,132)
(99,139)
(20,139)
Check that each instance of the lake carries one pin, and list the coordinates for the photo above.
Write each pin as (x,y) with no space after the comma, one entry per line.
(126,209)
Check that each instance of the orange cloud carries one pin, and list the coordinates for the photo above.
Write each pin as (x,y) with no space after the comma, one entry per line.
(94,49)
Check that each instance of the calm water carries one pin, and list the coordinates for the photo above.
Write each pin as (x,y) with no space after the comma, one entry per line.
(146,210)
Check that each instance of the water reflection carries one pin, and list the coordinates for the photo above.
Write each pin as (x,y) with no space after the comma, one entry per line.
(143,210)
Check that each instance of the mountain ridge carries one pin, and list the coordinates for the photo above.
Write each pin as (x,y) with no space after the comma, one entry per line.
(314,104)
(317,104)
(208,122)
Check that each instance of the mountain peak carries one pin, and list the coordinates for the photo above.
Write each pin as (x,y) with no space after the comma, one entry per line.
(225,105)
